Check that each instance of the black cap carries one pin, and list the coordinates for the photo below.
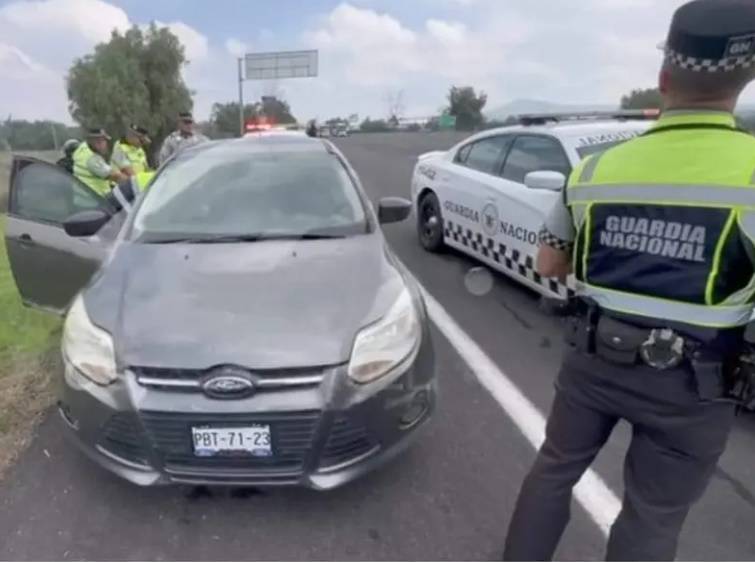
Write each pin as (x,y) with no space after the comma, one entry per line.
(139,130)
(97,132)
(713,36)
(186,116)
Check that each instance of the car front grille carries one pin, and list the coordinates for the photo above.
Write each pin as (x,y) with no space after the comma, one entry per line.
(292,435)
(349,439)
(123,437)
(189,380)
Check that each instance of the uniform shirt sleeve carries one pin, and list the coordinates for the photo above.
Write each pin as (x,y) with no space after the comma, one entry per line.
(97,165)
(558,230)
(168,148)
(119,158)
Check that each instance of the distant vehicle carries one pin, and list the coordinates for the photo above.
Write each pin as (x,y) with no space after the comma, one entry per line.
(244,323)
(324,132)
(341,132)
(488,195)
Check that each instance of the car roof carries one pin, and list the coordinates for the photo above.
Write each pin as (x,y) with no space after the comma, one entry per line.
(267,142)
(570,130)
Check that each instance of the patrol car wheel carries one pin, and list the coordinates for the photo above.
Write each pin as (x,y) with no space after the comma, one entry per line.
(430,223)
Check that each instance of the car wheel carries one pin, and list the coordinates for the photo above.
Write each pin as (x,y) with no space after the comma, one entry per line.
(430,223)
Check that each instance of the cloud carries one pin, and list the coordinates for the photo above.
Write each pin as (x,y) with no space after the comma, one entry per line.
(582,52)
(196,45)
(91,19)
(39,39)
(16,64)
(235,47)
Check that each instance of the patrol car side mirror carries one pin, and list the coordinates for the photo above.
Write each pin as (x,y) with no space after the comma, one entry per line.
(393,209)
(86,223)
(551,181)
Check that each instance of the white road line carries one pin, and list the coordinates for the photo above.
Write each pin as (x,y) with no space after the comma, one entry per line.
(591,492)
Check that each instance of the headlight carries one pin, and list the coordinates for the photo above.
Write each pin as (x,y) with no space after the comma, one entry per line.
(380,347)
(88,348)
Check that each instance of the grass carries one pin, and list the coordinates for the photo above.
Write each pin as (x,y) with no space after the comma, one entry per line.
(28,355)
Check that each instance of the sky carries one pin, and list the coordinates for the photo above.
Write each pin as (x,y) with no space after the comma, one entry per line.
(581,51)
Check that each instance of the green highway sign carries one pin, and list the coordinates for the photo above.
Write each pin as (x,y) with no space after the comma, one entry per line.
(447,122)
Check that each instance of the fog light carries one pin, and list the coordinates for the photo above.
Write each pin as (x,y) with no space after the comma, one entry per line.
(415,411)
(67,415)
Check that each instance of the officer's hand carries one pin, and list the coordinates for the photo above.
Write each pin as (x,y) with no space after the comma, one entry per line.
(117,177)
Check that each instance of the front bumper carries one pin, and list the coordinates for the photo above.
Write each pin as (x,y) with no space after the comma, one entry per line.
(323,436)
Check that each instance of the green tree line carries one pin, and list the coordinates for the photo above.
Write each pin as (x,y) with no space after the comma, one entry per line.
(19,134)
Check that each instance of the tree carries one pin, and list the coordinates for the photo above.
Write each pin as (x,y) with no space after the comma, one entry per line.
(225,118)
(134,77)
(649,98)
(395,102)
(467,106)
(376,126)
(276,109)
(18,134)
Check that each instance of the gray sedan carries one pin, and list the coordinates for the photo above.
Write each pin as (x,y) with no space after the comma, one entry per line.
(244,322)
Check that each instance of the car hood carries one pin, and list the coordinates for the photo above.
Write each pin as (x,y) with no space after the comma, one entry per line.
(269,304)
(432,155)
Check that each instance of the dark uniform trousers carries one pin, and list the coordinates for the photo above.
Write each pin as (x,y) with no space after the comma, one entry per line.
(676,443)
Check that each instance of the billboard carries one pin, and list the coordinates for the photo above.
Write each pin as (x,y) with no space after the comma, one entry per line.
(279,65)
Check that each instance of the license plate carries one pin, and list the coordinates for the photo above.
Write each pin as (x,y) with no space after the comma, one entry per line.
(253,440)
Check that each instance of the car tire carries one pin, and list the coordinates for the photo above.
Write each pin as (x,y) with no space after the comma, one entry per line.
(430,223)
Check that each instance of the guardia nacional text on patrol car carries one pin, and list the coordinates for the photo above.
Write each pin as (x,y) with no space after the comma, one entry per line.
(488,195)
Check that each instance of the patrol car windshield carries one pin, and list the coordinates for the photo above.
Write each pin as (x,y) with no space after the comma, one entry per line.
(225,194)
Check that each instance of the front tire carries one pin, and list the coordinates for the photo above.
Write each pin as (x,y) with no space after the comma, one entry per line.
(430,223)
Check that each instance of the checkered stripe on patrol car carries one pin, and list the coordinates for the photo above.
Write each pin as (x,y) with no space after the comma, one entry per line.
(709,65)
(509,258)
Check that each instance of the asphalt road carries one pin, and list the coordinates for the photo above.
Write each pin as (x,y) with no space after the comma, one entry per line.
(449,497)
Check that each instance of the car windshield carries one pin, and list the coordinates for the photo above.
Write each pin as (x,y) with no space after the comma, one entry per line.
(233,191)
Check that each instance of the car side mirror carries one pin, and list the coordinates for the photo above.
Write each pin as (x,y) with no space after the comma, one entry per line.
(393,209)
(550,181)
(86,223)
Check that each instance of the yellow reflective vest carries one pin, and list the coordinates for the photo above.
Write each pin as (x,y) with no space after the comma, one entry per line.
(142,179)
(666,222)
(135,155)
(81,170)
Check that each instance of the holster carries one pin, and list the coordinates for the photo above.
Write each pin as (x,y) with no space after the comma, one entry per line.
(743,383)
(579,329)
(710,375)
(618,342)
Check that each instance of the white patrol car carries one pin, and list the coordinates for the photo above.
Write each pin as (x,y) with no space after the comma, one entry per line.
(489,195)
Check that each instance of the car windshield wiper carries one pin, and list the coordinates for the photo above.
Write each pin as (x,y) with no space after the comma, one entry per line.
(231,238)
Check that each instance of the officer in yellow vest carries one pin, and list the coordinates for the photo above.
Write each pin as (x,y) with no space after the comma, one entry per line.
(90,165)
(128,153)
(660,235)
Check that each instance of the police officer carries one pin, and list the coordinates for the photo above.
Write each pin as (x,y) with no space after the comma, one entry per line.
(659,233)
(69,147)
(128,153)
(90,165)
(184,137)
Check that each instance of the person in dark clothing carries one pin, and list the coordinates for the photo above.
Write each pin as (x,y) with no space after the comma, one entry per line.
(69,147)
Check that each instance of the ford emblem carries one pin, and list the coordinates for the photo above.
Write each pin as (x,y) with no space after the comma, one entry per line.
(227,385)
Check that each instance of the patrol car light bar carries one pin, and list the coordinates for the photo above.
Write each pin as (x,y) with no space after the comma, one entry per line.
(629,114)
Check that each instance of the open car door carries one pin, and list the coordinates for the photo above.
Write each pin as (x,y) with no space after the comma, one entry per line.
(49,266)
